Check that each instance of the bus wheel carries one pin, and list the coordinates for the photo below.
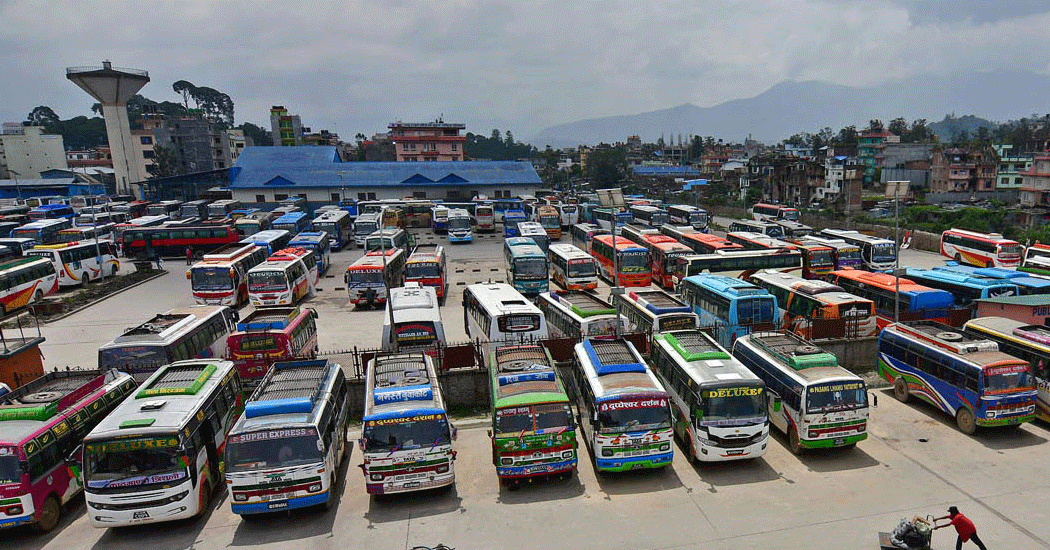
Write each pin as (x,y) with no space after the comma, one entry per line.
(793,441)
(113,272)
(85,278)
(38,296)
(958,258)
(49,514)
(965,421)
(989,263)
(900,389)
(205,497)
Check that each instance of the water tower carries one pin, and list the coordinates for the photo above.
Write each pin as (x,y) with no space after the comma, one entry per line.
(113,88)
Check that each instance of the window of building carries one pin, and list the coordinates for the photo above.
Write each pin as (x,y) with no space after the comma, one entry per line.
(412,146)
(279,197)
(404,147)
(455,146)
(419,194)
(146,140)
(148,154)
(260,198)
(335,197)
(362,196)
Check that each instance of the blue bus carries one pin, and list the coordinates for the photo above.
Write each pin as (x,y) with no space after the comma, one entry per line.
(511,219)
(964,376)
(732,306)
(964,288)
(1026,282)
(292,222)
(320,243)
(337,224)
(51,212)
(527,268)
(501,206)
(271,239)
(350,205)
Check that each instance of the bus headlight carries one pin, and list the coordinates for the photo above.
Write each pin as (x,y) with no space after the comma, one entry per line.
(442,469)
(813,434)
(566,454)
(175,498)
(240,497)
(665,446)
(506,461)
(13,510)
(316,487)
(376,477)
(607,452)
(990,414)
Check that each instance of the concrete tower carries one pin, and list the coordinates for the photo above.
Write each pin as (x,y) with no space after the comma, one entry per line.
(113,88)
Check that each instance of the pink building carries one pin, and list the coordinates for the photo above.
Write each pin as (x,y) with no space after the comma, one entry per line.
(1033,309)
(428,141)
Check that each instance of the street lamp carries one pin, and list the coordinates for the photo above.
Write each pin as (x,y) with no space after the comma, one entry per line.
(386,283)
(896,251)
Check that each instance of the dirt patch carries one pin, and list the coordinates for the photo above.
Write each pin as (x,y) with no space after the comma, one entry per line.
(53,307)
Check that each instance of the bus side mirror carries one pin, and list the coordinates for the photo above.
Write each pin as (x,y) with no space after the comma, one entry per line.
(313,312)
(188,272)
(76,457)
(455,432)
(874,400)
(361,444)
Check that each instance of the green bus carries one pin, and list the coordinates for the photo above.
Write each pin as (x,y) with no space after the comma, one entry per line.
(533,433)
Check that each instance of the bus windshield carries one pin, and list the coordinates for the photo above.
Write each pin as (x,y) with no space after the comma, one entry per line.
(790,214)
(459,222)
(256,342)
(634,262)
(732,404)
(377,243)
(836,396)
(1007,378)
(416,270)
(407,433)
(518,420)
(581,268)
(1010,250)
(634,416)
(755,310)
(211,278)
(369,277)
(849,254)
(365,228)
(530,268)
(128,463)
(267,281)
(273,449)
(10,472)
(132,355)
(821,257)
(883,253)
(550,222)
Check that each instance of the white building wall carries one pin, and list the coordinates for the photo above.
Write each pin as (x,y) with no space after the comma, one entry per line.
(31,153)
(324,195)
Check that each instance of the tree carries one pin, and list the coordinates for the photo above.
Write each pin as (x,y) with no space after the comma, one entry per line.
(919,132)
(606,167)
(496,136)
(875,125)
(259,135)
(899,126)
(167,160)
(183,87)
(509,140)
(847,136)
(217,106)
(42,116)
(803,139)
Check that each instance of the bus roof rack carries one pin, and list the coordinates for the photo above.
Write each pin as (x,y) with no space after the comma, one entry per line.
(42,398)
(612,357)
(691,345)
(290,387)
(583,303)
(794,351)
(275,318)
(946,337)
(658,302)
(178,379)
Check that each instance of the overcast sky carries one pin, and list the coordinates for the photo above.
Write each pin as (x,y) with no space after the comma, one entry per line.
(524,65)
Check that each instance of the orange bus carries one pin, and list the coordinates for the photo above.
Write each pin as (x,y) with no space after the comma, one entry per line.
(663,257)
(426,266)
(633,260)
(550,220)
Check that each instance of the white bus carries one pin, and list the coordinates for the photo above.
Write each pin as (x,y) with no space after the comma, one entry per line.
(281,280)
(579,314)
(655,311)
(875,253)
(581,234)
(498,315)
(80,263)
(458,228)
(719,406)
(25,281)
(757,226)
(684,214)
(157,456)
(817,403)
(406,440)
(536,232)
(572,268)
(737,264)
(416,320)
(651,216)
(622,406)
(285,451)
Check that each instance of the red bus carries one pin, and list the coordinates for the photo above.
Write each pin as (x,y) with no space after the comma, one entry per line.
(41,424)
(426,266)
(981,249)
(221,278)
(268,335)
(707,243)
(147,243)
(917,302)
(633,259)
(663,256)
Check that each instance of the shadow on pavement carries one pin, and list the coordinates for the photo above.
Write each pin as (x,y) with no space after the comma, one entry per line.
(413,505)
(171,535)
(739,472)
(25,534)
(638,481)
(541,490)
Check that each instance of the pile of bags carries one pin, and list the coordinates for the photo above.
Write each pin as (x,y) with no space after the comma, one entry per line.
(914,534)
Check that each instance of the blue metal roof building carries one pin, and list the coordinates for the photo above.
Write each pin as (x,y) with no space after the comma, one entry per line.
(269,174)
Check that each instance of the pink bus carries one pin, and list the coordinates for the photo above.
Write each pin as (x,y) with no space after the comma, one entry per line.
(41,424)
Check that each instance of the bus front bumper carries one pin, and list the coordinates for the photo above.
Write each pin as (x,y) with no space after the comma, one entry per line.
(625,464)
(16,511)
(389,488)
(282,504)
(532,470)
(832,442)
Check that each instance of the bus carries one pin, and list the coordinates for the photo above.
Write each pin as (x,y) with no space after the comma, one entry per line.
(511,219)
(159,455)
(757,226)
(496,313)
(502,206)
(966,377)
(916,301)
(1027,284)
(664,252)
(817,260)
(270,240)
(393,217)
(286,450)
(271,334)
(369,277)
(192,332)
(43,231)
(197,209)
(763,211)
(223,208)
(253,223)
(321,245)
(416,317)
(102,232)
(684,214)
(737,264)
(533,431)
(485,218)
(582,233)
(426,266)
(390,238)
(337,224)
(80,263)
(578,314)
(25,281)
(654,311)
(701,243)
(965,288)
(718,406)
(550,220)
(981,249)
(623,409)
(732,306)
(793,229)
(51,212)
(876,254)
(439,219)
(638,233)
(630,267)
(845,255)
(527,265)
(292,222)
(817,403)
(221,277)
(406,440)
(41,424)
(757,241)
(572,268)
(165,208)
(651,216)
(605,218)
(458,226)
(242,212)
(806,304)
(570,215)
(1030,343)
(149,243)
(365,225)
(535,232)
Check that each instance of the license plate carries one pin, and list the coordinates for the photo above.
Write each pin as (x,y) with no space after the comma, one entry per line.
(639,452)
(140,515)
(736,452)
(411,484)
(840,441)
(275,505)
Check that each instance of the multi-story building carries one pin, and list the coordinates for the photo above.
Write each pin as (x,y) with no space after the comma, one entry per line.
(897,155)
(99,156)
(287,129)
(436,141)
(961,170)
(26,151)
(200,145)
(1035,191)
(787,179)
(1011,166)
(871,151)
(236,141)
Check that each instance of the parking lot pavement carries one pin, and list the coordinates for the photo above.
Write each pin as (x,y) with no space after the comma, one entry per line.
(914,463)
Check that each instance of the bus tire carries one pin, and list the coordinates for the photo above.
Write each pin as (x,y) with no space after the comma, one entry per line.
(793,441)
(38,296)
(958,258)
(50,512)
(113,272)
(900,390)
(965,420)
(204,499)
(989,263)
(85,279)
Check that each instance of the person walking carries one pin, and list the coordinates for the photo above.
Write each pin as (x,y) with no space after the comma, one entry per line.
(189,255)
(160,264)
(963,526)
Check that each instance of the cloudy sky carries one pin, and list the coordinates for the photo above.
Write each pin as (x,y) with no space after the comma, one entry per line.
(354,66)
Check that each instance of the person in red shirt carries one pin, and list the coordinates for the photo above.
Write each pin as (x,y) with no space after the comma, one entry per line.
(963,526)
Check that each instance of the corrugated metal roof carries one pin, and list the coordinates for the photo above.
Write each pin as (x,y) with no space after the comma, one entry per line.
(319,166)
(1029,300)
